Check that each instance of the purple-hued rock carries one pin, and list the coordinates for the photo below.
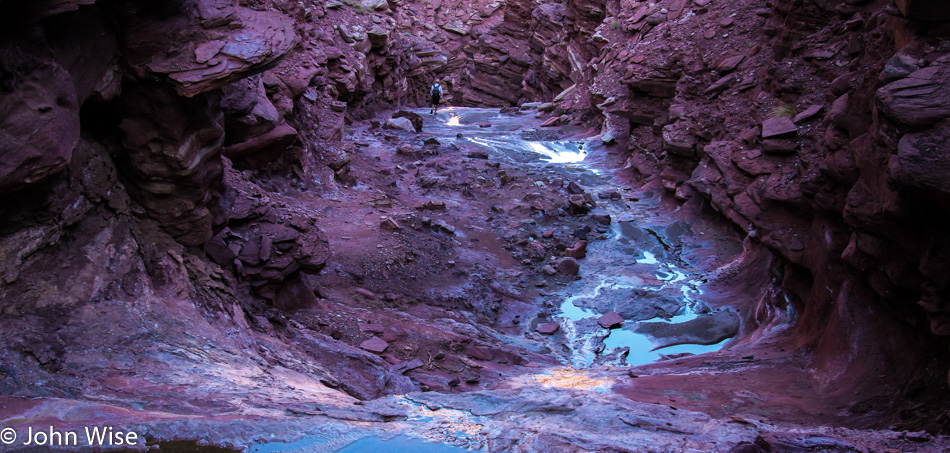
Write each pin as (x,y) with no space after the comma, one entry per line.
(610,320)
(780,125)
(808,113)
(547,328)
(374,345)
(568,266)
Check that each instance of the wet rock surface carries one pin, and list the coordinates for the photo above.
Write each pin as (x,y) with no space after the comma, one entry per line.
(217,231)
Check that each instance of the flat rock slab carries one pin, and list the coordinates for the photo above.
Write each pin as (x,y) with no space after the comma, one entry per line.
(374,345)
(548,328)
(808,113)
(774,127)
(704,330)
(610,320)
(406,366)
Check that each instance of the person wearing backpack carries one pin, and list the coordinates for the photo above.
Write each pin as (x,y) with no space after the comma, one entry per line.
(436,94)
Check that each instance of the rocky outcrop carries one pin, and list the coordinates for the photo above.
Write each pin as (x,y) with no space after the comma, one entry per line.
(840,198)
(146,149)
(266,246)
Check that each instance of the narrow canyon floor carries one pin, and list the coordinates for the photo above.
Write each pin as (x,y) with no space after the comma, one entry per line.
(458,268)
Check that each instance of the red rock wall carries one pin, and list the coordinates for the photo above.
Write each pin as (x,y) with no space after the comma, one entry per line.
(818,128)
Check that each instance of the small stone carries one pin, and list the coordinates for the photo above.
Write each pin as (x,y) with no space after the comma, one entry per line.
(579,250)
(726,22)
(808,113)
(406,366)
(600,216)
(432,205)
(374,345)
(720,85)
(918,436)
(610,320)
(749,135)
(389,224)
(568,266)
(779,146)
(581,232)
(819,55)
(366,293)
(777,126)
(730,63)
(548,328)
(547,233)
(548,270)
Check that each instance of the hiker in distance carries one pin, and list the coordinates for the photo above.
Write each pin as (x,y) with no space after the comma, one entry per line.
(436,93)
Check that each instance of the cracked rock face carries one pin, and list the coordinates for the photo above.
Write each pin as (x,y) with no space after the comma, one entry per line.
(210,206)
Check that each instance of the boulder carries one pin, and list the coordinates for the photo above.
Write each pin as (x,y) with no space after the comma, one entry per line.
(401,124)
(899,66)
(920,99)
(415,118)
(378,36)
(568,266)
(923,161)
(610,320)
(705,330)
(678,140)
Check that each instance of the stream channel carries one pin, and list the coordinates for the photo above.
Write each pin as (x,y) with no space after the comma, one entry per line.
(648,264)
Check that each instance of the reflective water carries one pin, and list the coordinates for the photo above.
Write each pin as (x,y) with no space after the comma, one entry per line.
(372,444)
(635,264)
(399,444)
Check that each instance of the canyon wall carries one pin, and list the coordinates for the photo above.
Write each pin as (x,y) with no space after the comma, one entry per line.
(818,128)
(139,139)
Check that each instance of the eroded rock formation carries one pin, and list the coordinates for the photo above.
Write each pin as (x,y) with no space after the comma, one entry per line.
(147,150)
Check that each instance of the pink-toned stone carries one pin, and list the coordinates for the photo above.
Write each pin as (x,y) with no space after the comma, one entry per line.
(610,320)
(374,345)
(780,125)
